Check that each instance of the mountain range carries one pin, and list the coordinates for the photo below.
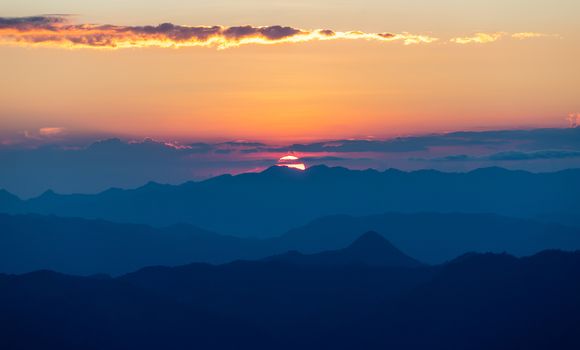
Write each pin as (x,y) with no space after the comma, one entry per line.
(269,203)
(476,301)
(86,246)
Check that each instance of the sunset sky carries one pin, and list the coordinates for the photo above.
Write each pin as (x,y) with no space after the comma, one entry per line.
(295,91)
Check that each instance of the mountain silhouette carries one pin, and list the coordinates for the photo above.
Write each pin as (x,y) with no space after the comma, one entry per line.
(370,249)
(9,202)
(85,246)
(481,301)
(435,237)
(477,301)
(269,203)
(53,311)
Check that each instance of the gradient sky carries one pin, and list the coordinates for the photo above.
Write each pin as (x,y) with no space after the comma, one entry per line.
(299,91)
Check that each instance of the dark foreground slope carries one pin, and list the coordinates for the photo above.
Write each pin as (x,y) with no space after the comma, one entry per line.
(475,302)
(482,301)
(46,310)
(271,202)
(81,246)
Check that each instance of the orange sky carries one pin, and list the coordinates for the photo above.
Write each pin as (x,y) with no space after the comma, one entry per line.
(298,91)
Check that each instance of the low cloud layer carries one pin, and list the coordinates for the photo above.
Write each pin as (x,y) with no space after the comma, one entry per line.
(59,31)
(534,139)
(70,163)
(508,156)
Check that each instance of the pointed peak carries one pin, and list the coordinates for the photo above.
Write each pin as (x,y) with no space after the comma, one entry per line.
(47,194)
(370,239)
(152,184)
(272,168)
(494,170)
(370,248)
(7,195)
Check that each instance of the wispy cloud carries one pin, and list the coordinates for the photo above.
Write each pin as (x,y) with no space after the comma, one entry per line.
(52,131)
(573,119)
(478,38)
(45,133)
(484,38)
(532,35)
(59,31)
(508,156)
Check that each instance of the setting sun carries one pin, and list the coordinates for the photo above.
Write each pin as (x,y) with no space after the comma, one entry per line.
(291,162)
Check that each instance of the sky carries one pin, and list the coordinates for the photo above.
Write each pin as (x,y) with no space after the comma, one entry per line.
(100,94)
(295,91)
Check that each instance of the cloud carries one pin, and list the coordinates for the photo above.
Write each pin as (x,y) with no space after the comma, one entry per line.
(478,38)
(546,154)
(396,145)
(323,159)
(523,140)
(45,133)
(573,119)
(532,35)
(484,38)
(493,140)
(58,31)
(507,156)
(31,23)
(52,131)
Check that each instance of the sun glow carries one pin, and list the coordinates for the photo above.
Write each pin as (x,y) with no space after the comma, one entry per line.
(300,166)
(291,162)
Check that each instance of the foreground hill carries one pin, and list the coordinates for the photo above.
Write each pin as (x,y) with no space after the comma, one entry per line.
(81,246)
(481,301)
(478,301)
(272,202)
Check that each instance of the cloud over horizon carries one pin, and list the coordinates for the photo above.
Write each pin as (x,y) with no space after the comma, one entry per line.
(507,156)
(75,165)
